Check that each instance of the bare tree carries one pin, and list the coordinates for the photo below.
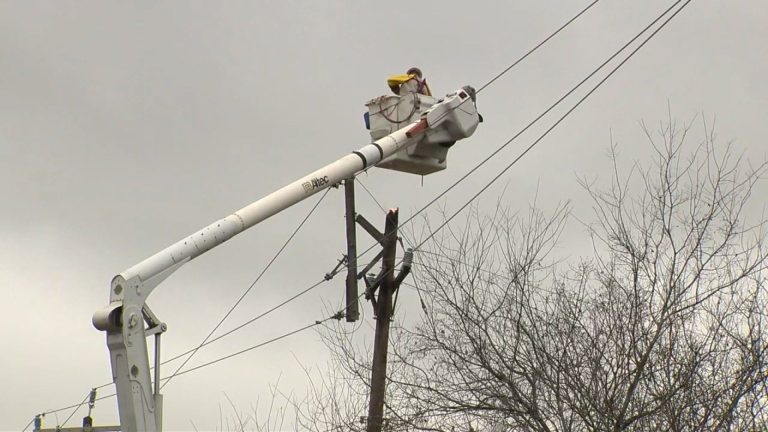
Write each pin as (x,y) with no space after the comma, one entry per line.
(663,327)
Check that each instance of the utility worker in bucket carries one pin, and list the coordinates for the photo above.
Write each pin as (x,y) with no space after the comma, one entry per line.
(412,82)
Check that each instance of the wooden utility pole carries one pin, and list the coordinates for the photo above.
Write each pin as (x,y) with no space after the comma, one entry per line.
(383,311)
(353,313)
(386,284)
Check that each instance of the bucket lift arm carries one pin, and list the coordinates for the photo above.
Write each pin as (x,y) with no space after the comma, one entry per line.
(139,404)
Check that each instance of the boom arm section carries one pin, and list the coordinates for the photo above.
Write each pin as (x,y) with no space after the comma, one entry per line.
(123,319)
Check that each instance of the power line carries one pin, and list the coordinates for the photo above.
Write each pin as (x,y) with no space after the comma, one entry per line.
(540,116)
(529,52)
(573,108)
(523,57)
(336,316)
(258,278)
(532,50)
(532,123)
(252,320)
(500,74)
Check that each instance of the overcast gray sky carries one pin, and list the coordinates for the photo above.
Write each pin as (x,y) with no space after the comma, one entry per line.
(125,126)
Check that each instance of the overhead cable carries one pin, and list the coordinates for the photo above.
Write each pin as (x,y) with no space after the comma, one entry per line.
(530,51)
(248,290)
(251,321)
(337,316)
(567,113)
(537,119)
(523,57)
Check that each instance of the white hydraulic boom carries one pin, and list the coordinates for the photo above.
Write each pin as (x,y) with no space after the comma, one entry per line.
(139,401)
